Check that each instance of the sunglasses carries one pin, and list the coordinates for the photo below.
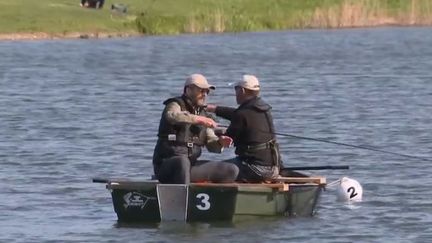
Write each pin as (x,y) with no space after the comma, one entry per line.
(202,91)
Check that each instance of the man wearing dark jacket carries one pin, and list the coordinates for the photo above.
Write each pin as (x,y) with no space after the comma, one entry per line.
(184,128)
(252,131)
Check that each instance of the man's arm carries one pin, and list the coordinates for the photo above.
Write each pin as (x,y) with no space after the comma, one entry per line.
(236,126)
(175,115)
(222,111)
(216,144)
(213,144)
(225,112)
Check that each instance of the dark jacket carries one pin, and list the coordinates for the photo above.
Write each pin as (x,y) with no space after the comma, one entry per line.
(252,130)
(188,137)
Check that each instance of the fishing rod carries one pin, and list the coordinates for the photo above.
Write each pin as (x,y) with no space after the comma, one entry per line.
(353,146)
(348,145)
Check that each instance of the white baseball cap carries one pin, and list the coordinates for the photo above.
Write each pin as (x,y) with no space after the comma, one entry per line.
(199,80)
(249,82)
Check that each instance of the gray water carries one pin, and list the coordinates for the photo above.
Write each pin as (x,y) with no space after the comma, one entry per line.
(71,110)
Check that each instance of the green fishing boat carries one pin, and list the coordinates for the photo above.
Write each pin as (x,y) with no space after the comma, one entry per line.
(149,201)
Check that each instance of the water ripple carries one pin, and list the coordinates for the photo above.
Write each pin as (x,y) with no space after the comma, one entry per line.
(76,109)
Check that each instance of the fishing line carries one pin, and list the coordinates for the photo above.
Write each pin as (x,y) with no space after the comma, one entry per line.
(354,146)
(348,145)
(333,183)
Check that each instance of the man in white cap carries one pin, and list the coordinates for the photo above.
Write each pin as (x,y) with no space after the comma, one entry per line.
(253,132)
(184,128)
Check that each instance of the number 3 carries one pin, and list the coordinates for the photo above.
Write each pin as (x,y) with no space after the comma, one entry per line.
(204,204)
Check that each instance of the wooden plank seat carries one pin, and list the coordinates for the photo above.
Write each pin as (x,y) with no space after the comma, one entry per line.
(275,183)
(317,180)
(281,183)
(248,186)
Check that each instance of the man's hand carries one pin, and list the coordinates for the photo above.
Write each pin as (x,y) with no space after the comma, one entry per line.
(205,121)
(225,141)
(219,131)
(211,108)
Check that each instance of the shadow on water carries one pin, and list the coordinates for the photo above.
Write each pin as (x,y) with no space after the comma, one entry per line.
(238,222)
(146,225)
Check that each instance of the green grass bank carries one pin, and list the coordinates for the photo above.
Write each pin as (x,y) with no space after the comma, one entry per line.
(62,18)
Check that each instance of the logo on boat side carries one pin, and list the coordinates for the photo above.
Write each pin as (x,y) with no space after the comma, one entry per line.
(135,199)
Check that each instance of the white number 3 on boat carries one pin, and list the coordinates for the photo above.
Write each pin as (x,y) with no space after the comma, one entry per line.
(349,190)
(204,203)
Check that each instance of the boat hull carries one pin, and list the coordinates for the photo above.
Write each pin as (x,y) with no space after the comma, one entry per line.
(149,201)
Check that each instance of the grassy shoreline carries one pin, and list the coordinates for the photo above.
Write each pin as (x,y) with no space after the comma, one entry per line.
(54,19)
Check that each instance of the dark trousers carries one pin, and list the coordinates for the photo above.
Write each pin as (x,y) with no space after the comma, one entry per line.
(178,170)
(253,173)
(174,170)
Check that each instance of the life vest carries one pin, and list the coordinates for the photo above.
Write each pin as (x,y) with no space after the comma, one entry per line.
(174,138)
(254,139)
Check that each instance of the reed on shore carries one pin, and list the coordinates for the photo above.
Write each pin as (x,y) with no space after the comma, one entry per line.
(257,15)
(65,18)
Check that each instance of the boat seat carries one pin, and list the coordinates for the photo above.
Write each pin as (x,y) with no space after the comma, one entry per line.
(317,180)
(278,186)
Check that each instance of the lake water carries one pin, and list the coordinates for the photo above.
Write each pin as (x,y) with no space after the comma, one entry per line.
(71,110)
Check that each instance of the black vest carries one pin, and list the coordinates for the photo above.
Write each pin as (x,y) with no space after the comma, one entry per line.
(180,139)
(254,137)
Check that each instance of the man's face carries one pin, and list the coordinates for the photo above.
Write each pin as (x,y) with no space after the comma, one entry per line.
(197,95)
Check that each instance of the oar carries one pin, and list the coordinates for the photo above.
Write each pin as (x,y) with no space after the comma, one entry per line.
(327,167)
(293,171)
(100,180)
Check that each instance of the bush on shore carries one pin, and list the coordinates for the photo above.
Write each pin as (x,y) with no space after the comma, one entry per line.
(256,15)
(63,18)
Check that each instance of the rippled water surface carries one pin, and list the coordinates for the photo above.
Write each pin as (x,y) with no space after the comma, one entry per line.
(71,110)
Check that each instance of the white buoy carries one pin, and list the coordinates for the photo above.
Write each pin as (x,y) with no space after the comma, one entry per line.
(349,190)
